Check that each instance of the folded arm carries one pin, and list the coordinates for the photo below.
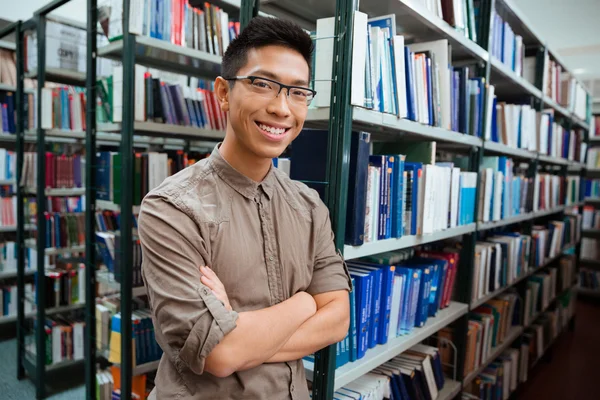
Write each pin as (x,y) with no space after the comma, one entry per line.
(194,328)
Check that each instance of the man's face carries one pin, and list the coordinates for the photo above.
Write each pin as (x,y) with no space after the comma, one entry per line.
(266,125)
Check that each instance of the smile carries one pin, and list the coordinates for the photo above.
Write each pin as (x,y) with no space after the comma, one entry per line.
(272,132)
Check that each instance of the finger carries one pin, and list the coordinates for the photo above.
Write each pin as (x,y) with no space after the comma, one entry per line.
(211,274)
(205,280)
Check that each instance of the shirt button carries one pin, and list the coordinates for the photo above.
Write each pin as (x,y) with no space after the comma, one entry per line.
(205,291)
(270,258)
(292,388)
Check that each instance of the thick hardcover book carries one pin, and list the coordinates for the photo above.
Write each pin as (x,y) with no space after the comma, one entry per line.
(357,189)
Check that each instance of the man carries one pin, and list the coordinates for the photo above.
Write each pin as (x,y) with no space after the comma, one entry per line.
(239,262)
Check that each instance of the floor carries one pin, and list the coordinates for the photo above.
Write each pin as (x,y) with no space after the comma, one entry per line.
(570,373)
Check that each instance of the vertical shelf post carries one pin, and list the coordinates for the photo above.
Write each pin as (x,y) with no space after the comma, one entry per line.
(40,287)
(90,201)
(126,256)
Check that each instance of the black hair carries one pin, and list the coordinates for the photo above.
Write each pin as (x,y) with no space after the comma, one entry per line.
(261,32)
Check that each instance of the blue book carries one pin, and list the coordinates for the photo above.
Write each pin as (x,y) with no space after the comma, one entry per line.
(391,178)
(398,197)
(424,291)
(437,267)
(376,300)
(381,163)
(416,169)
(385,305)
(411,298)
(410,88)
(357,191)
(362,307)
(103,175)
(353,338)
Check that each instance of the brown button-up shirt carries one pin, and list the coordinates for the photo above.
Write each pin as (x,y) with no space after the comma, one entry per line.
(265,241)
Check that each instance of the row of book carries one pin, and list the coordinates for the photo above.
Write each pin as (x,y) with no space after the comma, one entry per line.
(109,246)
(592,188)
(541,290)
(8,124)
(65,339)
(591,218)
(589,279)
(521,126)
(8,211)
(593,158)
(64,230)
(108,385)
(503,193)
(415,374)
(499,379)
(150,169)
(207,28)
(8,165)
(62,171)
(414,81)
(65,284)
(398,190)
(9,300)
(66,49)
(506,46)
(590,249)
(8,257)
(162,100)
(490,325)
(110,221)
(564,89)
(500,259)
(63,108)
(394,293)
(54,204)
(8,68)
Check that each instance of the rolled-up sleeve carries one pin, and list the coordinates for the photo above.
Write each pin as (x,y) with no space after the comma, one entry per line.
(329,269)
(189,320)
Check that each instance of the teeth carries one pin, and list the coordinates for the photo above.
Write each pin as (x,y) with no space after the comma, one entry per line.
(270,129)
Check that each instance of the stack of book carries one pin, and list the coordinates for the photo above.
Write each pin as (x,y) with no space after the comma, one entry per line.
(62,171)
(572,231)
(65,285)
(552,79)
(8,257)
(414,374)
(460,14)
(541,334)
(566,272)
(591,218)
(590,249)
(64,230)
(593,161)
(8,124)
(517,126)
(393,294)
(109,244)
(589,279)
(168,100)
(541,290)
(150,169)
(8,165)
(503,194)
(592,188)
(399,190)
(489,326)
(8,68)
(64,340)
(9,300)
(548,242)
(62,108)
(574,96)
(500,260)
(413,81)
(506,46)
(498,380)
(208,28)
(573,190)
(547,192)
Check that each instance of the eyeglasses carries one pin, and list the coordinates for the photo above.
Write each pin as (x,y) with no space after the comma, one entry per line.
(269,88)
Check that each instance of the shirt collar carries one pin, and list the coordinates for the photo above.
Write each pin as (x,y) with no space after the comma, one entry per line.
(238,181)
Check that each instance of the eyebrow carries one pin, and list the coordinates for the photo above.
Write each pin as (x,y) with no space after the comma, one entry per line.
(270,75)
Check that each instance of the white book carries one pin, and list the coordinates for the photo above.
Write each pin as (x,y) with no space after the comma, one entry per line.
(56,344)
(386,72)
(324,60)
(359,53)
(47,121)
(429,203)
(454,197)
(117,111)
(487,200)
(375,204)
(224,30)
(78,341)
(400,76)
(140,94)
(395,309)
(136,17)
(489,111)
(376,63)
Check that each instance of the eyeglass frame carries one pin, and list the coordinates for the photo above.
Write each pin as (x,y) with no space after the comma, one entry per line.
(282,86)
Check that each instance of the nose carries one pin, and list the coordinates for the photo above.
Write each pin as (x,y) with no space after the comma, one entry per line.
(279,105)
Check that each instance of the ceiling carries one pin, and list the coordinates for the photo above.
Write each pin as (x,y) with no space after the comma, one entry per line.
(572,30)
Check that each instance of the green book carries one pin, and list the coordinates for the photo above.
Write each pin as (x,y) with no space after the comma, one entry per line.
(116,173)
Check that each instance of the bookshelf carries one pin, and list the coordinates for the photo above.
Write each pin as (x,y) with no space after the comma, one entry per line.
(33,365)
(340,118)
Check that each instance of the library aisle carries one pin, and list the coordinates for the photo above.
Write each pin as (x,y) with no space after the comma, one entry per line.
(570,373)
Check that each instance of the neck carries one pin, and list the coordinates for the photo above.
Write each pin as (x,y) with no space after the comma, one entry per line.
(242,160)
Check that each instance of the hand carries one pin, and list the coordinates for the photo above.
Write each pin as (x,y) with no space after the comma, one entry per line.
(212,281)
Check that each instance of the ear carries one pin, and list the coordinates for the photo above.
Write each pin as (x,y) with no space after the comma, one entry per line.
(222,90)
